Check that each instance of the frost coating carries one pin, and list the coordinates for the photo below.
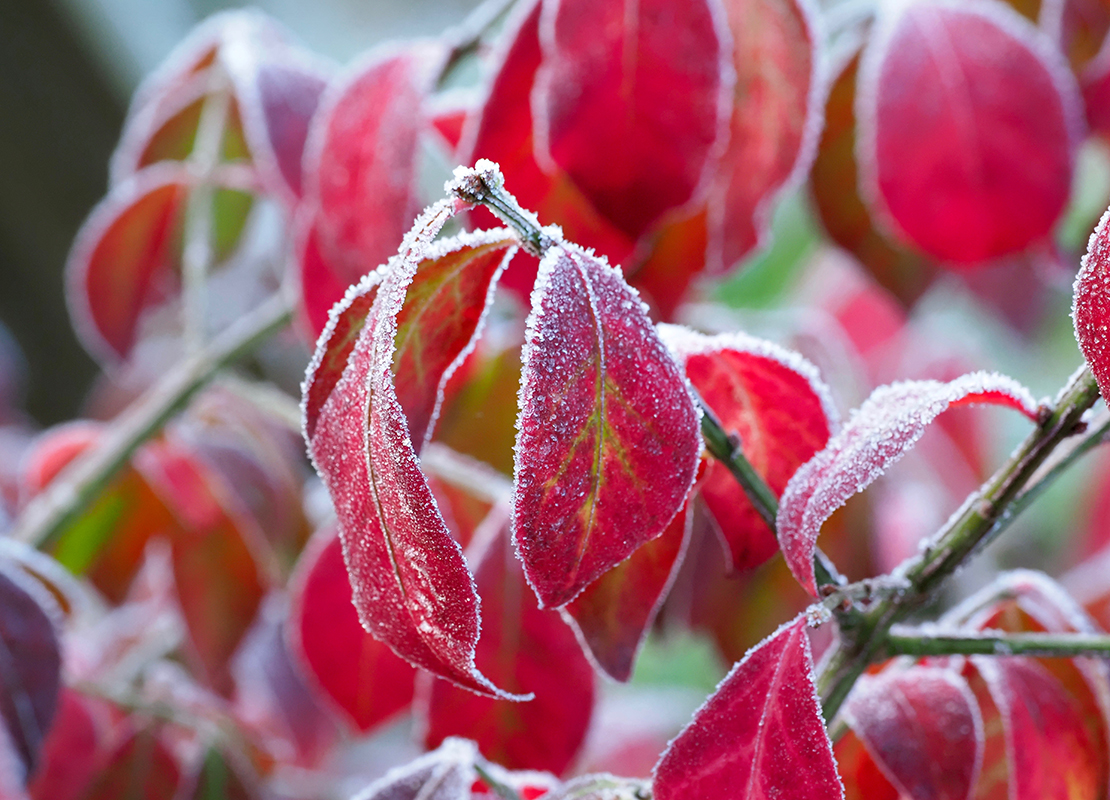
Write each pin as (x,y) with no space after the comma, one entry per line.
(919,724)
(760,735)
(878,434)
(411,585)
(782,412)
(607,442)
(1091,305)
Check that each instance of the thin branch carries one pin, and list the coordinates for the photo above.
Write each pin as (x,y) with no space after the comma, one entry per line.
(79,484)
(929,642)
(983,516)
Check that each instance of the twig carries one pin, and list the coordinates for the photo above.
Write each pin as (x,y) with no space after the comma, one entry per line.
(929,642)
(71,493)
(985,514)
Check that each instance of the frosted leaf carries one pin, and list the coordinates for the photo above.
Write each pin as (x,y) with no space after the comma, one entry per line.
(760,735)
(878,434)
(607,442)
(923,727)
(1091,305)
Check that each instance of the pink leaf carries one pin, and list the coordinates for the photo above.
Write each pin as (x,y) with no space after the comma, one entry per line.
(613,614)
(775,121)
(525,650)
(990,112)
(1091,306)
(760,735)
(360,161)
(776,402)
(1050,751)
(608,443)
(411,585)
(358,673)
(879,433)
(599,101)
(923,726)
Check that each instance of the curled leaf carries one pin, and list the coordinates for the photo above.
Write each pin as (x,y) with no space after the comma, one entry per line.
(879,433)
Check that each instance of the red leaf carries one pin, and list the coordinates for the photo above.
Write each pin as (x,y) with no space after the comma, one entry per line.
(1050,751)
(923,726)
(879,433)
(501,129)
(123,258)
(834,182)
(30,666)
(361,159)
(613,614)
(140,768)
(990,112)
(220,583)
(608,440)
(776,118)
(606,64)
(411,586)
(70,751)
(776,402)
(1091,306)
(760,735)
(523,649)
(321,286)
(356,671)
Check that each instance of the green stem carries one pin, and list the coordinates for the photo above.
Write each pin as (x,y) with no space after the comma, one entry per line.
(79,484)
(983,516)
(927,642)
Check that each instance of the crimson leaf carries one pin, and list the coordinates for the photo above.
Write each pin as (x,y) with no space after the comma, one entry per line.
(760,735)
(992,163)
(607,445)
(1092,305)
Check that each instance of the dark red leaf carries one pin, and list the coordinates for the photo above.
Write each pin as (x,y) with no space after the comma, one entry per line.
(599,115)
(1091,306)
(879,433)
(776,402)
(614,613)
(362,676)
(141,767)
(1051,753)
(501,129)
(608,440)
(30,665)
(776,117)
(70,753)
(217,552)
(760,735)
(922,724)
(525,650)
(411,586)
(992,163)
(123,259)
(360,161)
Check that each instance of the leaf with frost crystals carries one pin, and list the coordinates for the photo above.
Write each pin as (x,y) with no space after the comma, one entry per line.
(879,433)
(1091,310)
(776,402)
(922,725)
(608,444)
(760,735)
(410,580)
